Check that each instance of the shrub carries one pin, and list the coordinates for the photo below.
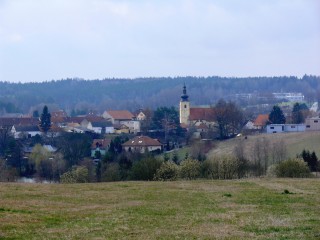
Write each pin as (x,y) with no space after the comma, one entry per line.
(77,174)
(294,168)
(190,169)
(221,167)
(111,173)
(168,171)
(209,169)
(145,169)
(272,171)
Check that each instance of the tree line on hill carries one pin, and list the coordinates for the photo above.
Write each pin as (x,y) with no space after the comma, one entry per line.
(73,163)
(81,96)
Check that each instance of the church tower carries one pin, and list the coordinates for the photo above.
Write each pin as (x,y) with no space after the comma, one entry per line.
(184,106)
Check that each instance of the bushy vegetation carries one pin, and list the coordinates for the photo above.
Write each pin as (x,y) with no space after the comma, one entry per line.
(79,174)
(145,169)
(221,167)
(111,173)
(168,171)
(190,169)
(293,168)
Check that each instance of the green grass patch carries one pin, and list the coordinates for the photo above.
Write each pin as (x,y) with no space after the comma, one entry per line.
(237,209)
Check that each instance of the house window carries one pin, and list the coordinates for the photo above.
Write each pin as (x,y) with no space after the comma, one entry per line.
(271,127)
(308,126)
(293,126)
(185,106)
(315,121)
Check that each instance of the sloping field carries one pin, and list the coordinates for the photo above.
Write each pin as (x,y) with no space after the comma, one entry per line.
(246,209)
(295,142)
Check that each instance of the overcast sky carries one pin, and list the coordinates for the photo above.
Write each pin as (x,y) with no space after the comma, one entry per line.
(93,39)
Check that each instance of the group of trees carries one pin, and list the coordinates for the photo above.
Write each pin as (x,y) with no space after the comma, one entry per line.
(84,95)
(311,159)
(298,114)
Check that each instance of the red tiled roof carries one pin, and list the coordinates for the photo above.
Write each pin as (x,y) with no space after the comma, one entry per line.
(18,121)
(95,118)
(90,118)
(142,141)
(206,114)
(102,143)
(121,115)
(261,120)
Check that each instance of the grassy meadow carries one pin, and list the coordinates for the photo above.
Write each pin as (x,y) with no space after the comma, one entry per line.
(295,143)
(237,209)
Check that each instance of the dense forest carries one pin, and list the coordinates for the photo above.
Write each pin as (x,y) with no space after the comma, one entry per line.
(80,95)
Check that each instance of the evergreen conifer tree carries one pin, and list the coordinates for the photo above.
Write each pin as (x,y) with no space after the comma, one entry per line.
(45,120)
(276,116)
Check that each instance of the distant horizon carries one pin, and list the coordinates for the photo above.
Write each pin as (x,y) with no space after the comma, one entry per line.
(160,77)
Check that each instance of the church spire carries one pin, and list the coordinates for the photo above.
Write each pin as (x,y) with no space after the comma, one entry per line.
(184,96)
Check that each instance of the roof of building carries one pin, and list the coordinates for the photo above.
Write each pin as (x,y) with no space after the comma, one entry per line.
(19,121)
(101,143)
(142,141)
(27,128)
(120,114)
(50,148)
(101,124)
(261,120)
(206,114)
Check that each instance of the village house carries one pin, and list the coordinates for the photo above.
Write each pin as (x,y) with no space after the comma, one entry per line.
(121,129)
(281,128)
(261,121)
(134,126)
(100,145)
(100,127)
(25,131)
(117,116)
(21,121)
(142,144)
(140,116)
(312,124)
(249,126)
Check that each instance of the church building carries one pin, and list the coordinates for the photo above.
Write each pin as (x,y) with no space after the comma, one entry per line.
(194,116)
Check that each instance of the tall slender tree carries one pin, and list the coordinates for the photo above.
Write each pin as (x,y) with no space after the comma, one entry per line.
(45,120)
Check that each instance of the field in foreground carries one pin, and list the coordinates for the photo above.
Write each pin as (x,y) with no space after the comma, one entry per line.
(244,209)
